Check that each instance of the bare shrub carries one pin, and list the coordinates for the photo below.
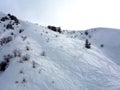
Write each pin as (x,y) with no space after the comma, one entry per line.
(8,57)
(17,53)
(12,33)
(16,82)
(4,18)
(21,72)
(24,80)
(5,40)
(24,37)
(33,64)
(86,33)
(43,53)
(27,48)
(87,44)
(26,57)
(21,30)
(101,45)
(3,65)
(9,26)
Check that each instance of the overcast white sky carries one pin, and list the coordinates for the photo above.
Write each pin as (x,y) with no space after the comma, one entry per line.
(69,14)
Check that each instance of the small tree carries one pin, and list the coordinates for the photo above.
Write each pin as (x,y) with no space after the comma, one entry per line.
(87,44)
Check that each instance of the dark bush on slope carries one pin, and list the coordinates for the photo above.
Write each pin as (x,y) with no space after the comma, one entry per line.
(26,57)
(5,40)
(53,28)
(9,26)
(43,53)
(21,30)
(17,53)
(12,17)
(86,33)
(4,64)
(4,18)
(101,45)
(87,44)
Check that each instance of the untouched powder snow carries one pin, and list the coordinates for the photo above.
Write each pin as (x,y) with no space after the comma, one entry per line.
(40,59)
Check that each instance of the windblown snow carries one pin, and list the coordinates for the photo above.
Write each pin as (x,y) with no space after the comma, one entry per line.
(33,57)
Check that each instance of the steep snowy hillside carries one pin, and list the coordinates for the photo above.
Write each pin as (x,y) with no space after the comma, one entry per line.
(33,57)
(106,39)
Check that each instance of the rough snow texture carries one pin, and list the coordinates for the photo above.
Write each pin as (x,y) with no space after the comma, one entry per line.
(46,60)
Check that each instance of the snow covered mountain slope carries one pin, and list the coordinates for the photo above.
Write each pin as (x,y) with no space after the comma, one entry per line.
(106,39)
(33,57)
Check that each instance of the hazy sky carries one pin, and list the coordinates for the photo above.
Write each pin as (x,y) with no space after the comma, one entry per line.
(69,14)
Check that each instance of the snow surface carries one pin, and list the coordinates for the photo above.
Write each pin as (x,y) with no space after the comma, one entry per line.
(106,36)
(59,62)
